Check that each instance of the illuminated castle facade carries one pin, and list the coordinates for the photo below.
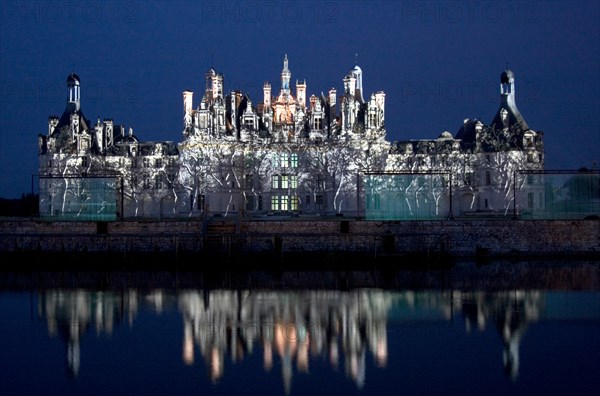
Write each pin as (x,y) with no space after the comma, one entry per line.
(288,153)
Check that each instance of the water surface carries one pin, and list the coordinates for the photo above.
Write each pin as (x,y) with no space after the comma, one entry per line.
(498,328)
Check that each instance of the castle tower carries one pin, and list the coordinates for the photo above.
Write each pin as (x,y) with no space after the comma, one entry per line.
(52,123)
(188,96)
(507,87)
(217,86)
(208,91)
(301,93)
(332,96)
(74,92)
(356,72)
(380,100)
(350,85)
(267,96)
(508,114)
(313,102)
(286,75)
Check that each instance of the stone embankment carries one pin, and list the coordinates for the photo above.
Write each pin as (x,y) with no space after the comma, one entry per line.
(241,237)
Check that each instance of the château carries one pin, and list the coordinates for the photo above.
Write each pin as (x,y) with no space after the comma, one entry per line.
(285,153)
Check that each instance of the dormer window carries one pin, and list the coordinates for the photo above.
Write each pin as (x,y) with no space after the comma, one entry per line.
(504,118)
(317,123)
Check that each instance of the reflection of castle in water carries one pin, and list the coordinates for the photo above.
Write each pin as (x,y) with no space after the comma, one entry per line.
(510,312)
(292,326)
(72,313)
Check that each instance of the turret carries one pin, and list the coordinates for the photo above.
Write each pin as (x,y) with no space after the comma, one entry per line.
(208,91)
(217,86)
(380,100)
(332,97)
(188,97)
(350,85)
(356,72)
(286,75)
(508,114)
(74,92)
(267,96)
(52,123)
(507,87)
(301,93)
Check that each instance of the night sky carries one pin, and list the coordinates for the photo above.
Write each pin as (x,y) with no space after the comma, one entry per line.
(437,62)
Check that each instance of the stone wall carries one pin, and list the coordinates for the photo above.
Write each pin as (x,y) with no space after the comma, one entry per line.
(460,238)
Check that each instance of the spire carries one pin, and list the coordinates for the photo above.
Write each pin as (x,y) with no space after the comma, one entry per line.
(508,114)
(285,76)
(74,91)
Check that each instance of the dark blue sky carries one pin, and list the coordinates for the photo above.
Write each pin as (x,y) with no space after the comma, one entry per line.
(437,62)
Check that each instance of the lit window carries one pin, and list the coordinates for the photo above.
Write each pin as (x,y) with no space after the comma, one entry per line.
(294,160)
(293,181)
(284,181)
(274,202)
(284,202)
(275,182)
(294,203)
(284,160)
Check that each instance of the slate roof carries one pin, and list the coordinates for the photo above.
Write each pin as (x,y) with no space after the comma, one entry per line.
(65,120)
(514,118)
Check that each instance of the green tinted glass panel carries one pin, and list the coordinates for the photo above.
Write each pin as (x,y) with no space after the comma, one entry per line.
(406,196)
(78,198)
(558,195)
